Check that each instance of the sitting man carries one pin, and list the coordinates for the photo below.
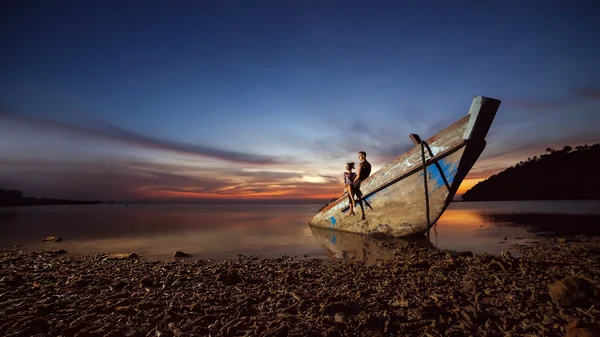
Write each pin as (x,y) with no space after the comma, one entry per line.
(364,171)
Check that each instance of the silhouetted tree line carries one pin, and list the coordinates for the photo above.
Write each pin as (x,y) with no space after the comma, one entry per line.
(567,174)
(16,198)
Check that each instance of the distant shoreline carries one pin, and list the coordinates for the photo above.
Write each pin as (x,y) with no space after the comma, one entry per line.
(239,203)
(49,202)
(197,203)
(504,200)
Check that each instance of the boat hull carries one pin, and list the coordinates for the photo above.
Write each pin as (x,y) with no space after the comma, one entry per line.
(396,193)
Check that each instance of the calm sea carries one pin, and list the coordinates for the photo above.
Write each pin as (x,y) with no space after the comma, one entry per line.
(220,232)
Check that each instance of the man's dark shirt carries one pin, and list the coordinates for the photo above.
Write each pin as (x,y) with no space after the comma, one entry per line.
(365,170)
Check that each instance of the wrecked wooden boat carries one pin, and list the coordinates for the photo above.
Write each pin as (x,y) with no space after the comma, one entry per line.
(405,201)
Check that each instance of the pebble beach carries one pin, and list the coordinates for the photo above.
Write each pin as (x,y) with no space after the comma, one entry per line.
(550,289)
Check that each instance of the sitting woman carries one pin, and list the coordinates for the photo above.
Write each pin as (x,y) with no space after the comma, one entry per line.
(349,185)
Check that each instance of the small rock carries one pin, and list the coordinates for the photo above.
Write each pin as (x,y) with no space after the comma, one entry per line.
(572,291)
(147,282)
(197,307)
(396,303)
(180,254)
(124,310)
(119,284)
(339,307)
(339,317)
(465,253)
(55,251)
(163,333)
(579,329)
(80,282)
(53,239)
(229,277)
(121,256)
(145,306)
(175,329)
(333,333)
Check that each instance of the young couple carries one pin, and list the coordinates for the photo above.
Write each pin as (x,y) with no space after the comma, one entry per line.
(352,180)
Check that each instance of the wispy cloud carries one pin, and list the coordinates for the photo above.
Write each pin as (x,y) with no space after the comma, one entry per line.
(117,134)
(576,96)
(105,179)
(345,138)
(591,93)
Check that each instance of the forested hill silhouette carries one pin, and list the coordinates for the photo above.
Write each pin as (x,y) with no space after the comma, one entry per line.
(557,175)
(16,198)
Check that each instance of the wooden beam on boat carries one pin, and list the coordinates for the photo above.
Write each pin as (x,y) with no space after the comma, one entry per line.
(437,165)
(415,138)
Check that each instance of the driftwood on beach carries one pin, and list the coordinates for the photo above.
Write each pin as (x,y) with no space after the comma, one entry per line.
(418,292)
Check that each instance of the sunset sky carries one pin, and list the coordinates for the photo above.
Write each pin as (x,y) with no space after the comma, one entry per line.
(194,99)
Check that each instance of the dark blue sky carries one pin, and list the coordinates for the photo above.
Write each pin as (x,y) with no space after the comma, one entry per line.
(208,91)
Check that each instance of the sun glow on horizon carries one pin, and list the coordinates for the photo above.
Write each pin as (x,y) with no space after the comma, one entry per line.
(467,184)
(314,187)
(314,179)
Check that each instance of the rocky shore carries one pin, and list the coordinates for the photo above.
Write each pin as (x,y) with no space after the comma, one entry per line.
(551,290)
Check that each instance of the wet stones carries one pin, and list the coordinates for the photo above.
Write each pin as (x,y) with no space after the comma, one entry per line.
(416,293)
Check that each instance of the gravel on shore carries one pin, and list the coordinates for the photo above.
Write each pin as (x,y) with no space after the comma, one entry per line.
(551,290)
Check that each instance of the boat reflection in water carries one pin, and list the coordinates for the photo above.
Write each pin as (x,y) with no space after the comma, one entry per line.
(345,245)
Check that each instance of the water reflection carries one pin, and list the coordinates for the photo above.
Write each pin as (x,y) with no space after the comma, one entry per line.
(366,248)
(482,227)
(156,231)
(549,224)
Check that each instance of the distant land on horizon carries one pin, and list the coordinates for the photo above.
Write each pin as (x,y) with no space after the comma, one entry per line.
(12,198)
(566,174)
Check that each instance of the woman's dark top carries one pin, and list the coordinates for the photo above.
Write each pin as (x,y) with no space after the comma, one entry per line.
(349,178)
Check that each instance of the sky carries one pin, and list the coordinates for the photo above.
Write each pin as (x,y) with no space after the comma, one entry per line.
(188,100)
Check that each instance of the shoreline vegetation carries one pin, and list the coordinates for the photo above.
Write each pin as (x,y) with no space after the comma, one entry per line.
(551,290)
(566,174)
